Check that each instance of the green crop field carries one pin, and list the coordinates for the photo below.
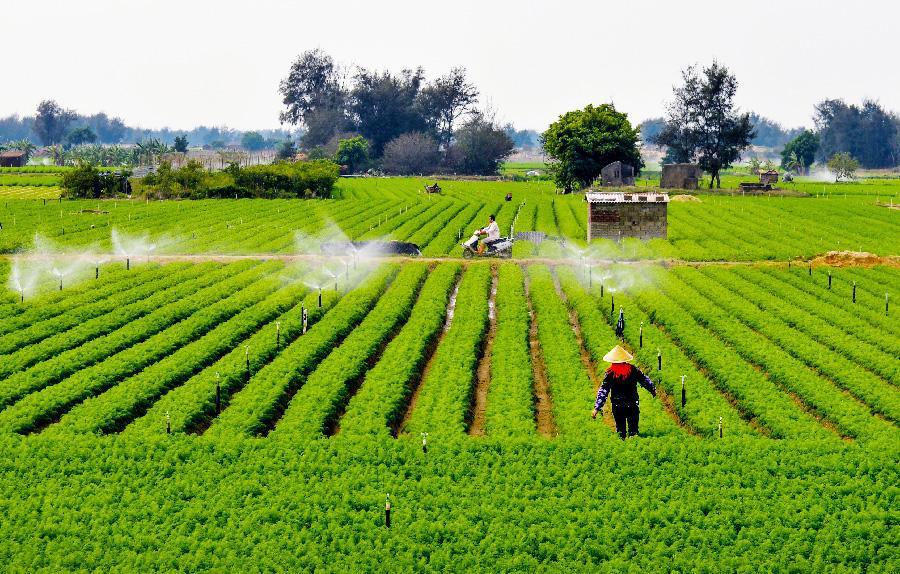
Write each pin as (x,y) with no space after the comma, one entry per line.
(164,407)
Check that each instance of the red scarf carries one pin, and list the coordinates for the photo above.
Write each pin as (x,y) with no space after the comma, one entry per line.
(619,370)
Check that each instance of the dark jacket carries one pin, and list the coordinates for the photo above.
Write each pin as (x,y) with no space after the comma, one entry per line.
(621,382)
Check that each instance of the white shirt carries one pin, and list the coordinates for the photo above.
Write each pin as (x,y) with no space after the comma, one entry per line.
(493,231)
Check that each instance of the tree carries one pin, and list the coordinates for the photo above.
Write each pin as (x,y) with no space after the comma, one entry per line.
(286,150)
(802,149)
(253,141)
(82,135)
(411,153)
(480,145)
(754,166)
(24,145)
(843,166)
(52,122)
(354,153)
(314,82)
(867,133)
(383,106)
(181,144)
(445,100)
(580,143)
(703,122)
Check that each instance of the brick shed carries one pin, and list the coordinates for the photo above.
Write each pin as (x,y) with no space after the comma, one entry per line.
(617,174)
(614,215)
(680,175)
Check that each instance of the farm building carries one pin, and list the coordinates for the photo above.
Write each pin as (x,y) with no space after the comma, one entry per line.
(12,158)
(614,215)
(617,174)
(769,177)
(680,176)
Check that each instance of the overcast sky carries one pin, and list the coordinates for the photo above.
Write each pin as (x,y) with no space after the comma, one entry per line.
(180,64)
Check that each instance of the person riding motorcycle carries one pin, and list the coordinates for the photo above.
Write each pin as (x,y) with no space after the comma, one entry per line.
(492,230)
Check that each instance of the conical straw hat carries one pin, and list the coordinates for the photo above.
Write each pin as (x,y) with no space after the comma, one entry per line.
(618,355)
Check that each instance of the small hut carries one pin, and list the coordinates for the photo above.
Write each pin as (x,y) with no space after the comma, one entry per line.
(13,158)
(617,174)
(680,176)
(614,215)
(769,177)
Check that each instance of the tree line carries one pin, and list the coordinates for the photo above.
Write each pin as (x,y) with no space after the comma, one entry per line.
(399,122)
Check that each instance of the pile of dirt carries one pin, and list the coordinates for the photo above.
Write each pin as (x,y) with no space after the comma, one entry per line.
(855,259)
(685,198)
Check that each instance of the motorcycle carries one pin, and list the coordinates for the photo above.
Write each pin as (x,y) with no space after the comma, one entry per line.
(502,248)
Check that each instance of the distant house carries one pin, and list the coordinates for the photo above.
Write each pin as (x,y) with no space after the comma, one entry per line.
(13,158)
(680,176)
(617,174)
(769,177)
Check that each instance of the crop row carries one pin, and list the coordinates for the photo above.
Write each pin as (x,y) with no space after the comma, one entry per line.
(447,239)
(268,392)
(109,311)
(113,409)
(570,385)
(760,400)
(759,340)
(442,408)
(599,337)
(817,343)
(510,401)
(425,234)
(325,392)
(69,352)
(815,392)
(387,388)
(189,318)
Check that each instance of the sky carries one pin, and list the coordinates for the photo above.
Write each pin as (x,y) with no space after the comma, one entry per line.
(196,62)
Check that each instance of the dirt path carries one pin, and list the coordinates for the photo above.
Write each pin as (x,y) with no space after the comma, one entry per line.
(483,373)
(839,259)
(543,403)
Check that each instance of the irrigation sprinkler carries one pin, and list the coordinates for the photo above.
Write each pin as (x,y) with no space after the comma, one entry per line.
(277,334)
(335,284)
(641,336)
(829,279)
(305,315)
(721,424)
(854,291)
(612,308)
(97,272)
(218,394)
(683,393)
(387,511)
(425,442)
(658,360)
(127,264)
(885,303)
(810,268)
(168,423)
(247,358)
(320,297)
(601,289)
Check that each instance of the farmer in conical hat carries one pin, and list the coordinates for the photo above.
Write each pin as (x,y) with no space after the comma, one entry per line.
(621,380)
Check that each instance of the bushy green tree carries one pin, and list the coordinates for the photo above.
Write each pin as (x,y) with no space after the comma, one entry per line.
(181,144)
(803,149)
(286,150)
(580,143)
(479,147)
(253,141)
(354,153)
(51,122)
(703,123)
(79,136)
(843,166)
